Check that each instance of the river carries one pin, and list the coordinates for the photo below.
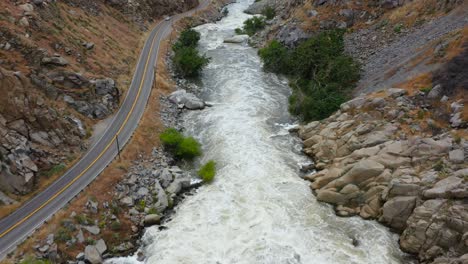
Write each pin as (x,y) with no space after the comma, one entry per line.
(258,210)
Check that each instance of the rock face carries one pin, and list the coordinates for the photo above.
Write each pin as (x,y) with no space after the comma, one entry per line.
(378,160)
(30,130)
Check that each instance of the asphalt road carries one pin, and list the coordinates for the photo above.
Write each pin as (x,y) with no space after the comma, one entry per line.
(16,227)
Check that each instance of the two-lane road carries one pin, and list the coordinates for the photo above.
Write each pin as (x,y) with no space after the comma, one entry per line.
(19,225)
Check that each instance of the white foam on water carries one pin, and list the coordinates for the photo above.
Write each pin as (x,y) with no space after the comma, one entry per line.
(257,210)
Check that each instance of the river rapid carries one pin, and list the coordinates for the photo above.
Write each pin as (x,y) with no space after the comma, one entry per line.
(258,210)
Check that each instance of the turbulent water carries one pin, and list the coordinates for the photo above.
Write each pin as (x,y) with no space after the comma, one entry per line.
(258,210)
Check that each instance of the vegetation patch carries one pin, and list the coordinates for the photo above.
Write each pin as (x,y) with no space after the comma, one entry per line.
(252,26)
(181,147)
(187,60)
(322,76)
(208,171)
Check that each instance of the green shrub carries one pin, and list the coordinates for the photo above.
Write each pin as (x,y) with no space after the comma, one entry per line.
(83,219)
(32,260)
(180,146)
(208,171)
(275,57)
(425,90)
(252,25)
(171,137)
(189,148)
(141,205)
(188,62)
(153,210)
(398,27)
(269,12)
(188,38)
(63,235)
(324,76)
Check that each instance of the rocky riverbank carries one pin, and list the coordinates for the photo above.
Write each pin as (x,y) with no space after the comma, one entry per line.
(148,191)
(386,156)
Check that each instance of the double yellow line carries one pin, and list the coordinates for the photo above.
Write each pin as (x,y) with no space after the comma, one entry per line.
(98,157)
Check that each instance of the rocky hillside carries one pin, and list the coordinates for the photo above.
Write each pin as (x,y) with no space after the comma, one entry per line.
(64,65)
(387,156)
(397,155)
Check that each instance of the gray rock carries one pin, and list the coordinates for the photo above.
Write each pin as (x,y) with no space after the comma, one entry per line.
(396,92)
(24,22)
(457,156)
(26,7)
(237,39)
(361,171)
(80,236)
(80,256)
(92,229)
(165,178)
(291,35)
(332,197)
(55,60)
(101,246)
(92,255)
(88,45)
(397,210)
(441,189)
(151,219)
(436,92)
(128,201)
(188,100)
(312,13)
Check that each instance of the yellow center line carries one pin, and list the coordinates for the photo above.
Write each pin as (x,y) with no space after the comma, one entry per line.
(100,155)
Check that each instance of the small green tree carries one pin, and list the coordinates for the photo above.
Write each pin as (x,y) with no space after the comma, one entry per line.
(252,25)
(275,57)
(269,12)
(189,148)
(187,38)
(171,138)
(208,171)
(189,62)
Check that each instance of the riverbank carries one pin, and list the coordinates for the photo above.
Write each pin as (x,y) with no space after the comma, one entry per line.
(99,223)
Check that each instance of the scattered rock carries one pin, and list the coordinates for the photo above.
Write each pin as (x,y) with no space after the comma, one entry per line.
(92,255)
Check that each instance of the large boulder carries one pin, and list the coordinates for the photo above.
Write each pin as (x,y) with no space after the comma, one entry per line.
(152,219)
(92,255)
(397,210)
(361,171)
(442,188)
(188,100)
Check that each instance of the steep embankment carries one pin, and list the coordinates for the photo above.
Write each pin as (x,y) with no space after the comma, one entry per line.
(64,66)
(398,155)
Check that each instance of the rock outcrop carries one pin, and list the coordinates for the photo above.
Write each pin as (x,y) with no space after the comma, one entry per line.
(31,129)
(383,157)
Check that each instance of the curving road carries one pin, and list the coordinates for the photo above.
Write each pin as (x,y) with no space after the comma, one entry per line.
(16,227)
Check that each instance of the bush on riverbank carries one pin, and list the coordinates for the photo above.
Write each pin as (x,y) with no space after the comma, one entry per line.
(181,147)
(187,60)
(321,75)
(251,26)
(208,171)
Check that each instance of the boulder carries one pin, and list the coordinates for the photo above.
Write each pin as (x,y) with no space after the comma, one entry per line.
(395,92)
(436,92)
(361,171)
(457,156)
(101,246)
(55,60)
(27,7)
(152,219)
(332,197)
(442,188)
(187,100)
(92,255)
(397,210)
(237,39)
(92,229)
